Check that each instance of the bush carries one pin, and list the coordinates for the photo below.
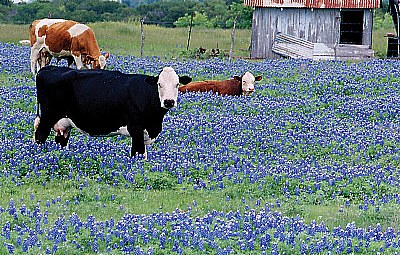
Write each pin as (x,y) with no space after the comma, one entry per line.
(199,19)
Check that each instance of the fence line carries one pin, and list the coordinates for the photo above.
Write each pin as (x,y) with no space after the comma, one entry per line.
(146,22)
(214,52)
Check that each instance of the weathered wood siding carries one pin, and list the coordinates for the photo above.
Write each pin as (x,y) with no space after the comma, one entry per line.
(314,25)
(368,24)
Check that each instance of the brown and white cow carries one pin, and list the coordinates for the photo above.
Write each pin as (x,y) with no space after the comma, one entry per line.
(238,85)
(64,39)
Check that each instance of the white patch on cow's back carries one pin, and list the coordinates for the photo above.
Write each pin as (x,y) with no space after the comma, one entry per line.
(77,29)
(41,23)
(47,22)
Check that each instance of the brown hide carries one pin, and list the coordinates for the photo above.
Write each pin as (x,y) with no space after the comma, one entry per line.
(84,44)
(58,39)
(32,35)
(231,87)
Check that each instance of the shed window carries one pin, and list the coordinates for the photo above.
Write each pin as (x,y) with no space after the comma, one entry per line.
(351,26)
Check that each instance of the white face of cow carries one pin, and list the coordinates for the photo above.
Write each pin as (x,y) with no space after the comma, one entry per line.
(248,82)
(168,82)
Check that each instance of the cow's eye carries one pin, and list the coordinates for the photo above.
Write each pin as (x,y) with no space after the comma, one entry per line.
(159,84)
(177,85)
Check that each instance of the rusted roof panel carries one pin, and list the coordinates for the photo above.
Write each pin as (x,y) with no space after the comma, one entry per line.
(364,4)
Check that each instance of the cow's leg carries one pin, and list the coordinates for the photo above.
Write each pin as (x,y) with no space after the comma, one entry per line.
(78,62)
(35,127)
(43,129)
(70,61)
(145,153)
(34,58)
(137,140)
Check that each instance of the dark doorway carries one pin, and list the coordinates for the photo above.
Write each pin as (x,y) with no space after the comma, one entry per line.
(351,26)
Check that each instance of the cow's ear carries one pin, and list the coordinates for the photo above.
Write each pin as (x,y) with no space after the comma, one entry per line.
(258,78)
(151,80)
(106,55)
(237,78)
(184,79)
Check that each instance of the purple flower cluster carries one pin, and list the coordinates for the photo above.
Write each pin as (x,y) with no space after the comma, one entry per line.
(178,231)
(313,132)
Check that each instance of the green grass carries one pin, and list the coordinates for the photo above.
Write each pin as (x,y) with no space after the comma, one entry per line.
(114,202)
(379,42)
(383,24)
(125,39)
(159,41)
(13,33)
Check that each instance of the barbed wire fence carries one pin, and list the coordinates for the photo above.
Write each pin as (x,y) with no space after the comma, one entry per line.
(192,24)
(191,28)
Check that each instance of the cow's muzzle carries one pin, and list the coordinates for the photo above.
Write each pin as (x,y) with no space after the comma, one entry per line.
(248,92)
(169,103)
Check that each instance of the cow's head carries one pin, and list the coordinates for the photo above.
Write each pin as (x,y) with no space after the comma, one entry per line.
(248,80)
(168,83)
(97,63)
(44,58)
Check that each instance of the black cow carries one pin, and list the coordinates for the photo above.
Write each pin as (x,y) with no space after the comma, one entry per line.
(101,102)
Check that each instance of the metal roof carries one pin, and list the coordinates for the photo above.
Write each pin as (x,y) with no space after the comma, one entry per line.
(364,4)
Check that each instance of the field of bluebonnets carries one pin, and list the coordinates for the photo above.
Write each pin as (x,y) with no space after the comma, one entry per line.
(308,164)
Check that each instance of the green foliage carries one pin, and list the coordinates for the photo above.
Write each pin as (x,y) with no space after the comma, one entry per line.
(124,38)
(79,10)
(163,13)
(199,19)
(217,14)
(244,15)
(156,181)
(383,20)
(214,13)
(383,24)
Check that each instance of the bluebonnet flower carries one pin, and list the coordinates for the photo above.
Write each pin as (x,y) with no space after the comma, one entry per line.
(10,248)
(329,126)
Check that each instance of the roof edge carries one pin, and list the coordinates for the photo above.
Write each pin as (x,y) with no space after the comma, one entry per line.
(318,4)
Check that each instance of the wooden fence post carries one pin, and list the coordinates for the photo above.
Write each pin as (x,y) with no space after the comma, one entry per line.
(233,38)
(142,30)
(190,31)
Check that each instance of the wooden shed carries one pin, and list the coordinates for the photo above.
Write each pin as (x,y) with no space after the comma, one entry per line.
(317,29)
